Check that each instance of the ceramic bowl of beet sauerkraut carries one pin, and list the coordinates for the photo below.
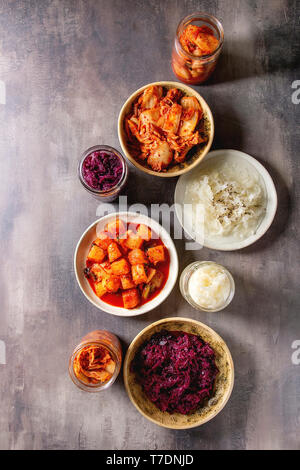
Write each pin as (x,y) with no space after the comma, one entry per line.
(178,373)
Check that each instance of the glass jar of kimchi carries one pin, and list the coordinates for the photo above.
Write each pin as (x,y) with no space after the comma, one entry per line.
(96,362)
(197,46)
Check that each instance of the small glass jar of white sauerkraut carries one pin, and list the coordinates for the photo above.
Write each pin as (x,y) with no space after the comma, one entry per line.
(207,286)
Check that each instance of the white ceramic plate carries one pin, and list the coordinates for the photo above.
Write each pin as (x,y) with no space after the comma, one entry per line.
(225,243)
(82,250)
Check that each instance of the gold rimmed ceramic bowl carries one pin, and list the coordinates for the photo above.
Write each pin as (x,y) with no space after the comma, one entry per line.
(197,154)
(223,383)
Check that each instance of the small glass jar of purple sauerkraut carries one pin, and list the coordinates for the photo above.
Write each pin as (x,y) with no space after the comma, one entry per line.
(103,172)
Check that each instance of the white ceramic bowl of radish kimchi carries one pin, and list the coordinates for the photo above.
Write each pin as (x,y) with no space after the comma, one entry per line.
(176,137)
(109,270)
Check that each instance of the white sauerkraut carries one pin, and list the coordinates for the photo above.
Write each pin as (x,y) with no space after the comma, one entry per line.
(209,286)
(231,200)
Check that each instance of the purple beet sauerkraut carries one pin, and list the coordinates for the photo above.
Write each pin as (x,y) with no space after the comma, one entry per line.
(102,170)
(177,371)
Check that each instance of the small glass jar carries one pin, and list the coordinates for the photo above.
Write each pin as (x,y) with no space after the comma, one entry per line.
(104,339)
(185,279)
(187,67)
(112,193)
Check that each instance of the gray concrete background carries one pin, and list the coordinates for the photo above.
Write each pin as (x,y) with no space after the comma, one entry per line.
(68,66)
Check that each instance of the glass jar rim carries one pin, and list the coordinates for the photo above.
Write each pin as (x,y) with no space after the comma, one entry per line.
(195,16)
(185,277)
(99,386)
(121,181)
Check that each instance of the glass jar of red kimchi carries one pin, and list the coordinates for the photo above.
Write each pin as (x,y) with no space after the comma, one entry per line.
(96,362)
(198,43)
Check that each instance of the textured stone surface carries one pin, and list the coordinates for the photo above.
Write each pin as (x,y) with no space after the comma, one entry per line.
(68,66)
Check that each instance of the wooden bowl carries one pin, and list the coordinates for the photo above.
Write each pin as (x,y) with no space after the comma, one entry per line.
(197,155)
(223,385)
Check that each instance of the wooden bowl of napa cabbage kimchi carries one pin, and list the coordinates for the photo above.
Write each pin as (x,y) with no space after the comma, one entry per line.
(165,128)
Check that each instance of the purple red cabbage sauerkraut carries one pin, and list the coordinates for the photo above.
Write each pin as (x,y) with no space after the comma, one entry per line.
(102,170)
(176,370)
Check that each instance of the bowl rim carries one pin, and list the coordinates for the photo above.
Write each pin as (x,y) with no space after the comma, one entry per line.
(162,296)
(205,107)
(126,365)
(271,196)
